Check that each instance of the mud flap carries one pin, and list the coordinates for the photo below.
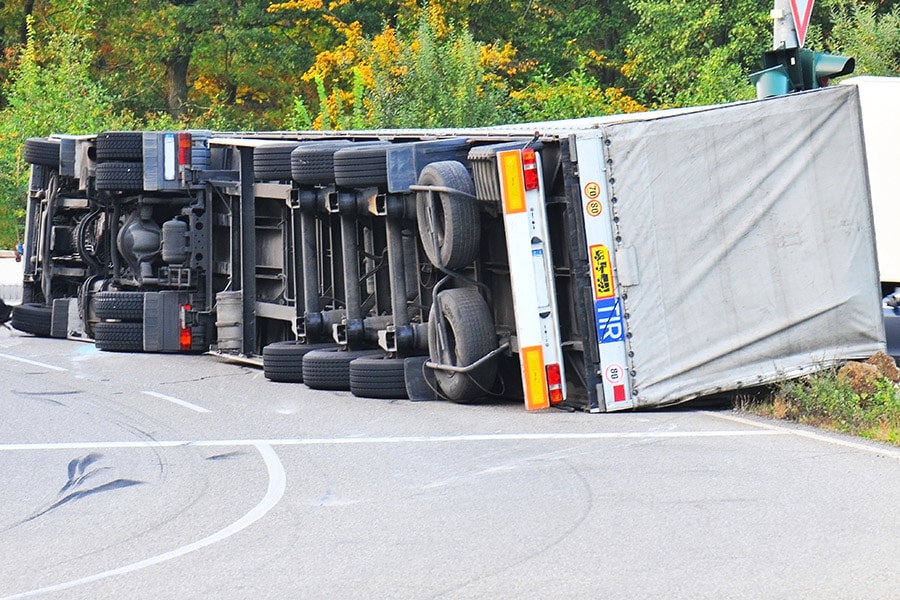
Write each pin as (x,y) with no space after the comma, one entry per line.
(162,321)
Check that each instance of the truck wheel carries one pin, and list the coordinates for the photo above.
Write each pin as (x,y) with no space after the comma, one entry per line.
(33,318)
(120,176)
(361,165)
(313,162)
(121,306)
(42,151)
(378,377)
(283,361)
(119,337)
(469,334)
(272,162)
(330,369)
(449,224)
(119,146)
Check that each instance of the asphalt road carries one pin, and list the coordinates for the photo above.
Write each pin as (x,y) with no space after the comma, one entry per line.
(153,476)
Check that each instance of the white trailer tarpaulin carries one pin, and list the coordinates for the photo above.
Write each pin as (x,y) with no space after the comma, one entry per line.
(745,244)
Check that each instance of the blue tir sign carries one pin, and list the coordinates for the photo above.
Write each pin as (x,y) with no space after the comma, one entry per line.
(610,327)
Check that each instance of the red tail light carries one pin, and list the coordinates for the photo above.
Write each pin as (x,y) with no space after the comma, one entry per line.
(529,169)
(554,383)
(184,333)
(184,149)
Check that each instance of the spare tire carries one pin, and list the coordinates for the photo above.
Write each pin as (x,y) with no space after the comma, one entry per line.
(449,223)
(468,335)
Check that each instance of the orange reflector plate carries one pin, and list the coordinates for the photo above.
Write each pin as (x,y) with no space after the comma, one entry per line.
(511,182)
(535,380)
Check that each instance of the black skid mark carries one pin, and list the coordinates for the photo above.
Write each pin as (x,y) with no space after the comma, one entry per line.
(112,485)
(79,471)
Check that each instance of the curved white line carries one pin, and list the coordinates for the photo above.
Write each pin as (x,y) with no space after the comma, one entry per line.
(277,482)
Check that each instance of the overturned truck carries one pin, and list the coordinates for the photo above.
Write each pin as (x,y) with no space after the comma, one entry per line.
(603,264)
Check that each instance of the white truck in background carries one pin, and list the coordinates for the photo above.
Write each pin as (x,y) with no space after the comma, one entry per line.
(601,264)
(880,104)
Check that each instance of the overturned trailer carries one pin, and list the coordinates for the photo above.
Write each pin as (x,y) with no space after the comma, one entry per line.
(605,264)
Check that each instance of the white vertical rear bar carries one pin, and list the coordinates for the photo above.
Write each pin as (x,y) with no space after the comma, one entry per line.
(531,274)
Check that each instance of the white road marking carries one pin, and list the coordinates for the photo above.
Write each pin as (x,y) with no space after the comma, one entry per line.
(177,401)
(872,448)
(32,362)
(423,439)
(277,484)
(760,429)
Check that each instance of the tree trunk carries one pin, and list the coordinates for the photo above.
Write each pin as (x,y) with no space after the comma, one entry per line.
(176,83)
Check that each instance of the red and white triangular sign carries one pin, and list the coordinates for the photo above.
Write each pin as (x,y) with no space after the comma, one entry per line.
(801,10)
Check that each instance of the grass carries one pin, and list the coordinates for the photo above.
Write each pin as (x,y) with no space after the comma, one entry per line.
(831,400)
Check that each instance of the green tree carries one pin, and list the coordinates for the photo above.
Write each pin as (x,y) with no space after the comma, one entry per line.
(867,31)
(572,96)
(556,37)
(687,53)
(439,78)
(51,91)
(217,63)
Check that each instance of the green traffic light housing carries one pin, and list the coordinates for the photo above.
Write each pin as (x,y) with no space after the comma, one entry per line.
(796,69)
(819,68)
(774,81)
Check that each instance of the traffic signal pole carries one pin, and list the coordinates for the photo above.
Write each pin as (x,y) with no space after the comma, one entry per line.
(784,32)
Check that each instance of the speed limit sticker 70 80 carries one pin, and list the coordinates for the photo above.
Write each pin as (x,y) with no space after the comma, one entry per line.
(592,190)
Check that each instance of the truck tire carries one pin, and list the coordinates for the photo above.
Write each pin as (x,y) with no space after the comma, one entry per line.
(378,377)
(125,146)
(361,165)
(33,318)
(121,306)
(330,369)
(283,361)
(119,337)
(449,224)
(42,151)
(470,335)
(272,162)
(313,163)
(120,176)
